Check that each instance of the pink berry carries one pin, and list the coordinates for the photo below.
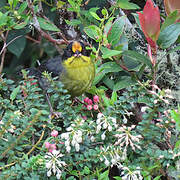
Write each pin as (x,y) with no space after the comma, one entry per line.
(96,99)
(89,107)
(86,100)
(54,133)
(95,107)
(47,145)
(90,102)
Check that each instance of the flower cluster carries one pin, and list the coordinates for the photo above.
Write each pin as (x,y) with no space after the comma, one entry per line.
(125,138)
(105,123)
(128,174)
(111,156)
(73,136)
(90,102)
(54,164)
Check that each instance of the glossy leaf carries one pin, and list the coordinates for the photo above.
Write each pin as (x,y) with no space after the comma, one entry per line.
(109,53)
(116,30)
(93,32)
(169,35)
(137,57)
(18,45)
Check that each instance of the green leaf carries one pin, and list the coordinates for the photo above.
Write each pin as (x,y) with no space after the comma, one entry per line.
(104,176)
(15,3)
(116,30)
(107,53)
(108,82)
(86,170)
(95,16)
(22,24)
(60,4)
(125,4)
(18,45)
(157,177)
(104,12)
(170,19)
(14,93)
(10,2)
(104,69)
(124,82)
(176,116)
(73,22)
(177,145)
(46,25)
(137,57)
(169,36)
(22,7)
(93,32)
(114,97)
(3,19)
(117,178)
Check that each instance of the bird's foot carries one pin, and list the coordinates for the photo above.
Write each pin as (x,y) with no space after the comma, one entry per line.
(55,115)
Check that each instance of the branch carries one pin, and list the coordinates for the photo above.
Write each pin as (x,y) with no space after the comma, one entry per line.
(3,51)
(43,33)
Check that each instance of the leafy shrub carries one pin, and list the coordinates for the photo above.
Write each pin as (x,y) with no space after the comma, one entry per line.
(127,127)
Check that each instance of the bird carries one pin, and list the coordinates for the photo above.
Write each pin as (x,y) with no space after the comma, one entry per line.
(75,69)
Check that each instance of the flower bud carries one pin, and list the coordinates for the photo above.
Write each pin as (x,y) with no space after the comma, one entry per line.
(54,133)
(52,147)
(96,99)
(47,145)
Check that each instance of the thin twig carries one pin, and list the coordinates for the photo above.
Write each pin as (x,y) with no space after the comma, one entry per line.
(42,134)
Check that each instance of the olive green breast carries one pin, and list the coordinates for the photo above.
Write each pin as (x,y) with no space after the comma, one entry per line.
(78,75)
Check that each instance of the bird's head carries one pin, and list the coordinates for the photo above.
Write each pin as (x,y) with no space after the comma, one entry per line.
(75,53)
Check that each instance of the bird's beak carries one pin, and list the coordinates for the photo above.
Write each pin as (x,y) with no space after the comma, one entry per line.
(77,54)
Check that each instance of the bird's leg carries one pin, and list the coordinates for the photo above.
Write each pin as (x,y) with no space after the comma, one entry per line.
(53,114)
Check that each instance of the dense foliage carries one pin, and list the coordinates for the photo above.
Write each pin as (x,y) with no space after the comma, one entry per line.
(127,125)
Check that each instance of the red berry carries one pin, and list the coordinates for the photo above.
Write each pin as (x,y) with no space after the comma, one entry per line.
(90,102)
(89,107)
(86,100)
(95,107)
